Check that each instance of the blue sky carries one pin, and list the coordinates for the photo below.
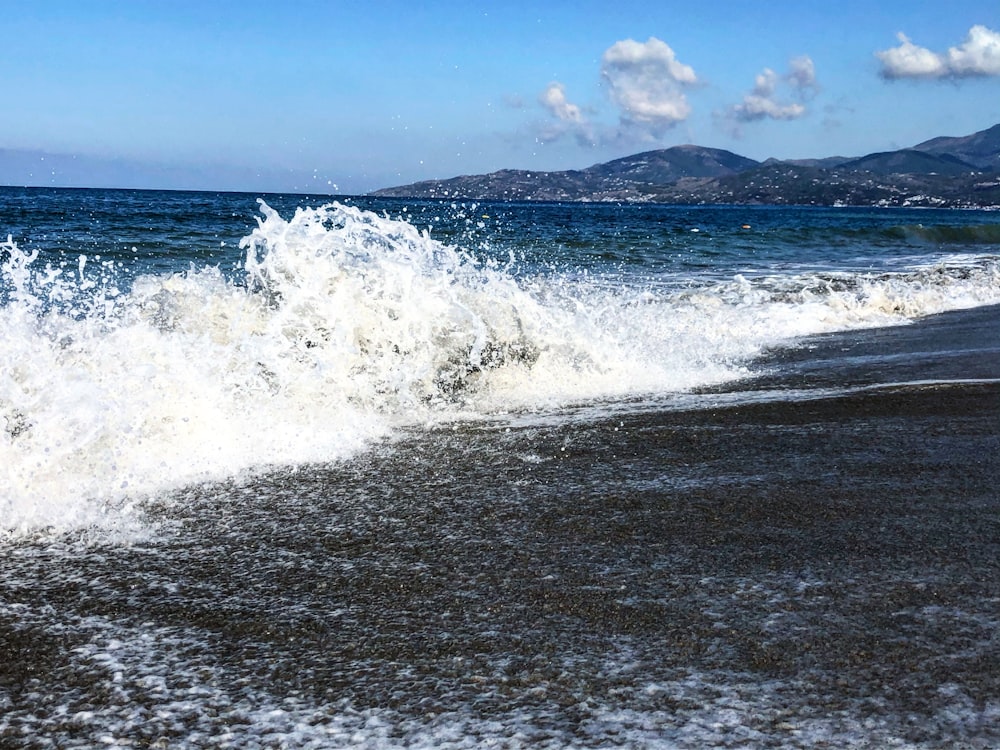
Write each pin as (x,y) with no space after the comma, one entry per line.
(350,96)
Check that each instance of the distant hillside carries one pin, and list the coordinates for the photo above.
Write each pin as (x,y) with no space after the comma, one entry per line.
(828,162)
(958,172)
(671,164)
(789,184)
(613,180)
(980,149)
(909,161)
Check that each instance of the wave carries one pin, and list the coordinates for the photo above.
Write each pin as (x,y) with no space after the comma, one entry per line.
(944,234)
(346,326)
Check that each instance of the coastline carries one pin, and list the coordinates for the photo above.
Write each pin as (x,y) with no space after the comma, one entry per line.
(954,345)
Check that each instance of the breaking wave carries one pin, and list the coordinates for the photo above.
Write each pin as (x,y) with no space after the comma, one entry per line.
(347,325)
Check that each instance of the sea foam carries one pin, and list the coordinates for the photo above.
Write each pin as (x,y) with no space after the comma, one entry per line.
(346,326)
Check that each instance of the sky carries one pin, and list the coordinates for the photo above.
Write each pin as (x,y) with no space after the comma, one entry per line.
(348,97)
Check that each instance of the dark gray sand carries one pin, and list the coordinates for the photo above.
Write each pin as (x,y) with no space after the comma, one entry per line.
(817,565)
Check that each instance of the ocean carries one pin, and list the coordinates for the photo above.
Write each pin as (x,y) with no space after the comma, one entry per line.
(292,471)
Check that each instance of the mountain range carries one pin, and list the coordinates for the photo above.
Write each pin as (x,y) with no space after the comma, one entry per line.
(953,172)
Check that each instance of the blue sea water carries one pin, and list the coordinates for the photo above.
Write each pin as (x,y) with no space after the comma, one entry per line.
(295,471)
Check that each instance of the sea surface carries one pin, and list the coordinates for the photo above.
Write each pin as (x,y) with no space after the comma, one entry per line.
(290,471)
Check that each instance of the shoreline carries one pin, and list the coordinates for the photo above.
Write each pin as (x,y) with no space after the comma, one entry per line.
(952,345)
(790,572)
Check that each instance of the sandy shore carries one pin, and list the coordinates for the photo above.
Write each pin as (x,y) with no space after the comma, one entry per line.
(789,571)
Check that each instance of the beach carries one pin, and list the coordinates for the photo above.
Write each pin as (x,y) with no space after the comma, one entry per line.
(806,558)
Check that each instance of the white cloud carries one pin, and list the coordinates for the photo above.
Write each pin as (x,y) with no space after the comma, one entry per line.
(802,74)
(910,61)
(979,55)
(765,83)
(756,107)
(554,100)
(566,118)
(763,100)
(646,81)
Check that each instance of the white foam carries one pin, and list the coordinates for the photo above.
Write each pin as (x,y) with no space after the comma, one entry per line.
(348,326)
(166,686)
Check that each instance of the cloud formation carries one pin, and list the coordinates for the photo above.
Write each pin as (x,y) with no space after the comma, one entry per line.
(764,102)
(802,74)
(565,117)
(647,83)
(555,101)
(644,81)
(977,56)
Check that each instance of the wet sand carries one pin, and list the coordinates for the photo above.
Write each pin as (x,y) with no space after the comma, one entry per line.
(818,570)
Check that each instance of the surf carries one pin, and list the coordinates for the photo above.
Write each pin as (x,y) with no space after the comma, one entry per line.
(341,326)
